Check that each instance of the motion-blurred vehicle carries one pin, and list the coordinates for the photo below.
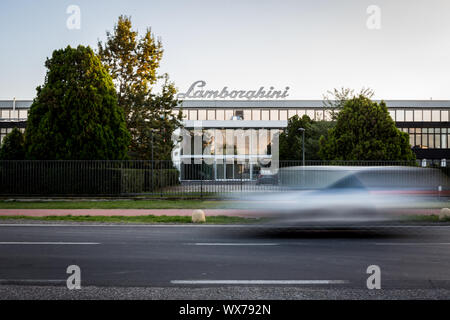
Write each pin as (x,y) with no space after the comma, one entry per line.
(347,195)
(267,177)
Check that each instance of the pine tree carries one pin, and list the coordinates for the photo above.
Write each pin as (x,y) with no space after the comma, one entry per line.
(75,113)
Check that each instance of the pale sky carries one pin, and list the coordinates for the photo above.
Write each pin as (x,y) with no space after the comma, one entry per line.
(310,46)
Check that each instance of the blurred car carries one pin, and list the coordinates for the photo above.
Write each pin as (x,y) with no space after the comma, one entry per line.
(346,195)
(267,177)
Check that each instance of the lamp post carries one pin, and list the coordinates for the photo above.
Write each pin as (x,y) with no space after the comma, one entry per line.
(303,144)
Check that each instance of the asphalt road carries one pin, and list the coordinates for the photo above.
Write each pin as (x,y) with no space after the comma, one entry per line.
(230,262)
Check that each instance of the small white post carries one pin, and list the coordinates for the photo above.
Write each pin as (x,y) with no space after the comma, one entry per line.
(424,163)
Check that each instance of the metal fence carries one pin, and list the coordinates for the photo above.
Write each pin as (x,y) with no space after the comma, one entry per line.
(167,179)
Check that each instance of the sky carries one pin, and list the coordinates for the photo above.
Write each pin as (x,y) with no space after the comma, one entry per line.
(401,50)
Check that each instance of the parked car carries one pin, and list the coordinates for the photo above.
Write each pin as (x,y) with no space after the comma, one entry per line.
(267,177)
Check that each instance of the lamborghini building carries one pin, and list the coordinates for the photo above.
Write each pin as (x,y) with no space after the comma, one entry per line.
(260,121)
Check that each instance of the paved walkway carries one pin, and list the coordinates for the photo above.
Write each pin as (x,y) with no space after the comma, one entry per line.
(125,212)
(158,212)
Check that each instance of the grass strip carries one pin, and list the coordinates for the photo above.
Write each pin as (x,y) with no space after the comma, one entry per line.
(137,219)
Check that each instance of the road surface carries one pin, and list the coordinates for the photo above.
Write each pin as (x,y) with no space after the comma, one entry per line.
(221,262)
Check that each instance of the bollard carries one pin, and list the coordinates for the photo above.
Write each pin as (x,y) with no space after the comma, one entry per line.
(198,216)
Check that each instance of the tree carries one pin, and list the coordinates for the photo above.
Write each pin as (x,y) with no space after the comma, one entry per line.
(291,139)
(75,113)
(334,100)
(365,131)
(13,146)
(133,62)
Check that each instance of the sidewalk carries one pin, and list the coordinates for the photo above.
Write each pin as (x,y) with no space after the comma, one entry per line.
(126,212)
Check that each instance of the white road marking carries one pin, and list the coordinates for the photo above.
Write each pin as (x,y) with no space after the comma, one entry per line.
(259,282)
(412,244)
(49,243)
(6,281)
(231,244)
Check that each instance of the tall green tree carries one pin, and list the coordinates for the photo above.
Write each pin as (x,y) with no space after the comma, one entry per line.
(13,147)
(291,139)
(75,113)
(365,131)
(334,100)
(133,63)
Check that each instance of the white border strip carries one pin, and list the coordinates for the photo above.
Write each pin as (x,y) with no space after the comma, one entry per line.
(259,282)
(231,244)
(49,243)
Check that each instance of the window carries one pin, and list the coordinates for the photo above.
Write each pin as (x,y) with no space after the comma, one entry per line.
(265,114)
(23,114)
(411,139)
(274,115)
(201,114)
(192,114)
(418,137)
(5,114)
(283,115)
(256,114)
(426,115)
(319,115)
(239,114)
(301,112)
(444,140)
(418,115)
(444,115)
(392,114)
(310,113)
(400,115)
(436,115)
(229,114)
(211,114)
(247,114)
(220,114)
(437,138)
(291,113)
(431,137)
(409,116)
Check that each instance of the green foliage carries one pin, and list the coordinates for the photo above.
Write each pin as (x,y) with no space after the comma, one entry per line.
(133,62)
(334,100)
(13,146)
(365,131)
(291,140)
(75,114)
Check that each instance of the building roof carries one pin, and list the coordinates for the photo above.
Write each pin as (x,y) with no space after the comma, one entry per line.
(236,124)
(26,104)
(303,103)
(20,104)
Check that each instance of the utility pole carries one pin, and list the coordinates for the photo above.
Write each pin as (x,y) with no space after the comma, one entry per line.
(303,144)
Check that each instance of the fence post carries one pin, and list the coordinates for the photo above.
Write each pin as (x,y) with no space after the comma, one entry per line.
(201,181)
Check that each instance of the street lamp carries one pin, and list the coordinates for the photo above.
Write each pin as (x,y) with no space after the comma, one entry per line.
(303,144)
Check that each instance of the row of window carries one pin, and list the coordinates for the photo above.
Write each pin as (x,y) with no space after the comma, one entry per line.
(398,115)
(419,115)
(228,141)
(428,138)
(14,114)
(5,131)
